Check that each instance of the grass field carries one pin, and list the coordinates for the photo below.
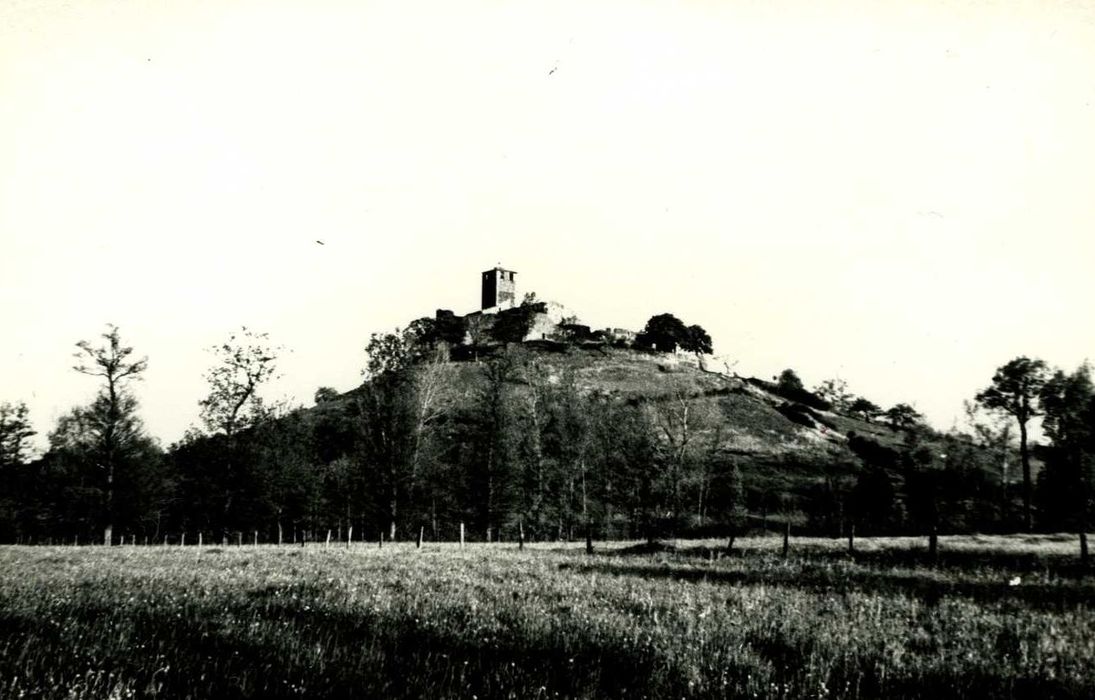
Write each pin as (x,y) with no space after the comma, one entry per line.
(489,621)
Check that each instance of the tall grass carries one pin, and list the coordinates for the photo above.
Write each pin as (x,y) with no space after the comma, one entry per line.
(489,621)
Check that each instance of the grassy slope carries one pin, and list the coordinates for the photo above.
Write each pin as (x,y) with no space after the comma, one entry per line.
(774,454)
(490,621)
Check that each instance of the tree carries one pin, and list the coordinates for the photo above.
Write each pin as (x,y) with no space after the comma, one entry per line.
(244,363)
(112,416)
(867,410)
(835,391)
(902,416)
(494,438)
(788,381)
(993,438)
(325,394)
(1069,404)
(663,332)
(15,434)
(1015,389)
(696,340)
(405,396)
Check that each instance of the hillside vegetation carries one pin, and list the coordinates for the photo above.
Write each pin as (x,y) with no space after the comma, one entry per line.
(542,441)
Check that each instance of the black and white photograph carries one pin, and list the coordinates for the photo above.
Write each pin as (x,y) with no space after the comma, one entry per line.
(547,349)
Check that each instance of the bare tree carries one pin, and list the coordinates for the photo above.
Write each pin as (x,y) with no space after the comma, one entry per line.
(682,420)
(245,362)
(113,414)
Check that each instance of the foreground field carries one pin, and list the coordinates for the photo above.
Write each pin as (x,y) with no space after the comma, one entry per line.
(1000,617)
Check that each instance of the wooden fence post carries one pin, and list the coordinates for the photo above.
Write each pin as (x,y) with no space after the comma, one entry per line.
(182,540)
(851,538)
(380,540)
(461,535)
(786,538)
(328,538)
(280,534)
(521,533)
(349,536)
(199,538)
(239,538)
(421,531)
(933,545)
(256,538)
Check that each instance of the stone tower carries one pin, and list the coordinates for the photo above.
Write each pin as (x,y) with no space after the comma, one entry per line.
(499,288)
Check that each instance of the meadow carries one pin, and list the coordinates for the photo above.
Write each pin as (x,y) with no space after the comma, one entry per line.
(992,617)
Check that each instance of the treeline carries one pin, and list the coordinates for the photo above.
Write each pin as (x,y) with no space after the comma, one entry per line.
(508,449)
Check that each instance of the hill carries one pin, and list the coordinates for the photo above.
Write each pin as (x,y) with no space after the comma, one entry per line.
(748,456)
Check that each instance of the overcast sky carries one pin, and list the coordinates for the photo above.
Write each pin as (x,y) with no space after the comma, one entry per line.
(901,194)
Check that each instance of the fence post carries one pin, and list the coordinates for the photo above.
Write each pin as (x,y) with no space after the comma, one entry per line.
(851,538)
(239,538)
(933,545)
(730,545)
(421,531)
(786,538)
(589,539)
(380,540)
(199,538)
(349,536)
(280,534)
(461,535)
(521,534)
(182,540)
(328,538)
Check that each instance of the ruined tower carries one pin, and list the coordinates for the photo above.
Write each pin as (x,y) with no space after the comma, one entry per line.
(499,288)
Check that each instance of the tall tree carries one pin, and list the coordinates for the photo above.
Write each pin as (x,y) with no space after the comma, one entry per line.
(405,397)
(244,363)
(1069,404)
(113,414)
(15,434)
(1014,390)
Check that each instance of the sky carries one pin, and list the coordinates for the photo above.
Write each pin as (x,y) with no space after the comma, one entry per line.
(898,194)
